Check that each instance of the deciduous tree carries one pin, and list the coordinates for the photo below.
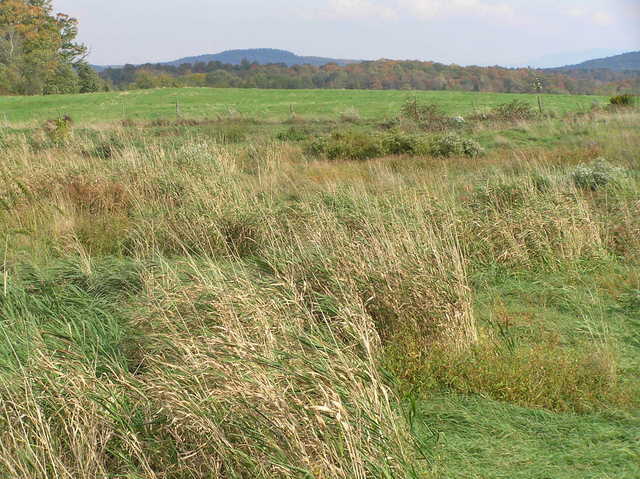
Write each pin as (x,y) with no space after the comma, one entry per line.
(37,48)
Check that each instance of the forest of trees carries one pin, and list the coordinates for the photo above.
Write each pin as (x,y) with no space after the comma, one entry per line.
(38,51)
(379,75)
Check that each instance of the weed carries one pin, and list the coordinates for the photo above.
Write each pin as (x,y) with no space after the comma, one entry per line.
(350,115)
(59,130)
(597,174)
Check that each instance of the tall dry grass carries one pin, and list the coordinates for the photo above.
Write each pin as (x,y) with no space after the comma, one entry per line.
(187,308)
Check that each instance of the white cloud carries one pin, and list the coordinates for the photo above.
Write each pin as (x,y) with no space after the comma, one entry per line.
(488,9)
(427,9)
(597,17)
(422,9)
(603,19)
(357,9)
(577,12)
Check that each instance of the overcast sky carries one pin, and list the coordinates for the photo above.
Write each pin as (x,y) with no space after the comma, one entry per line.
(484,32)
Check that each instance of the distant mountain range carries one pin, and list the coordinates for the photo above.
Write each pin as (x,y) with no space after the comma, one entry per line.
(618,63)
(263,56)
(624,62)
(559,59)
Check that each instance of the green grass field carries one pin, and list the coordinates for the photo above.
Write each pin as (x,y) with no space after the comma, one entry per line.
(262,104)
(227,300)
(476,438)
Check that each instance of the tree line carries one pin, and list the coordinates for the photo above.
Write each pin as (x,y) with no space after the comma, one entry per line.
(39,54)
(376,75)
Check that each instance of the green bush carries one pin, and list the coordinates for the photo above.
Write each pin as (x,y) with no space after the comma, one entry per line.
(428,115)
(357,145)
(451,144)
(515,110)
(596,175)
(59,129)
(400,143)
(623,100)
(348,145)
(294,133)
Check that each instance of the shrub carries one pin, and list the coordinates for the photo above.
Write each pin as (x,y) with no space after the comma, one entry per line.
(451,144)
(428,115)
(515,110)
(597,174)
(294,133)
(355,145)
(623,100)
(398,143)
(349,145)
(59,129)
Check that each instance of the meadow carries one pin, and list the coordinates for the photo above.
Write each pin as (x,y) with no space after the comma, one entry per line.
(333,290)
(274,105)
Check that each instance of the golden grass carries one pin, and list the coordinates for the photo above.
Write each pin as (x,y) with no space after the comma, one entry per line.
(274,290)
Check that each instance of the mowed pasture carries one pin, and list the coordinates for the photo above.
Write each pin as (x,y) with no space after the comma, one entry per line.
(275,105)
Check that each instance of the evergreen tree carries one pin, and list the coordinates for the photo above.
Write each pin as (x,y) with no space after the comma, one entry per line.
(88,79)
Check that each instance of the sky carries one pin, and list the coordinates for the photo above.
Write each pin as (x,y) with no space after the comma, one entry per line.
(466,32)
